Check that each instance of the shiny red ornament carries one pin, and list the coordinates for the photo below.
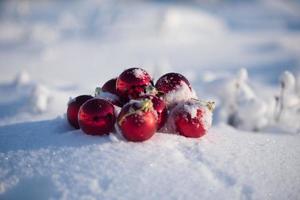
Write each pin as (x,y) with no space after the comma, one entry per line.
(160,107)
(133,82)
(110,86)
(109,93)
(170,82)
(97,117)
(137,121)
(73,109)
(192,120)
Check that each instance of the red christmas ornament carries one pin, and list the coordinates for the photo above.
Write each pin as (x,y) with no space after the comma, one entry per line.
(73,109)
(97,117)
(110,86)
(160,107)
(109,93)
(133,82)
(170,82)
(192,119)
(138,121)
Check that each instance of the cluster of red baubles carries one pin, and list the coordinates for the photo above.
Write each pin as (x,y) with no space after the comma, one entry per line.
(144,109)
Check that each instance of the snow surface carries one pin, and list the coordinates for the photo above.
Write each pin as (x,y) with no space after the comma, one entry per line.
(53,50)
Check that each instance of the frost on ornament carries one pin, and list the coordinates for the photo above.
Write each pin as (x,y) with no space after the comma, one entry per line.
(180,94)
(139,73)
(192,118)
(175,88)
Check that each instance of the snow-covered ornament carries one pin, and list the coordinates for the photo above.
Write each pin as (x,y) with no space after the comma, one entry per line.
(133,82)
(175,88)
(192,118)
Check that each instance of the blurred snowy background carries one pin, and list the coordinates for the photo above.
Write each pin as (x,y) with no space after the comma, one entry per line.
(245,55)
(74,47)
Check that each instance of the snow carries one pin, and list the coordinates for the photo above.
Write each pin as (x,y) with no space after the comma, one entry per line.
(22,78)
(139,73)
(225,164)
(180,94)
(191,109)
(51,50)
(106,95)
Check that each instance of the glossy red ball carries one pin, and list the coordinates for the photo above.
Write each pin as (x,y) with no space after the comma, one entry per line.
(160,108)
(171,81)
(133,82)
(110,86)
(97,117)
(73,109)
(110,93)
(135,124)
(190,125)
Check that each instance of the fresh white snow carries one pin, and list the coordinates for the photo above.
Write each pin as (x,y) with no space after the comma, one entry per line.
(53,50)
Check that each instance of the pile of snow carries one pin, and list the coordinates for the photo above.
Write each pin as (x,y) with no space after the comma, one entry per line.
(287,110)
(25,99)
(22,79)
(242,108)
(39,99)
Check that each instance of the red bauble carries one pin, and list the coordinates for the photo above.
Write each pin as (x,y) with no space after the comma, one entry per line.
(137,120)
(171,81)
(109,93)
(97,117)
(192,119)
(110,86)
(133,82)
(160,107)
(73,109)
